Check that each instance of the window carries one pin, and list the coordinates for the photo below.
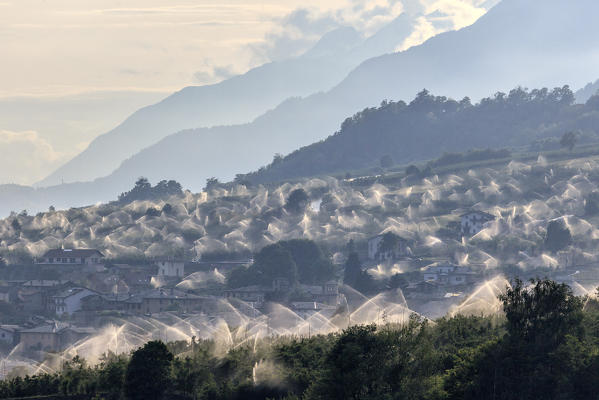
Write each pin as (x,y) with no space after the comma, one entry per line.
(50,260)
(72,260)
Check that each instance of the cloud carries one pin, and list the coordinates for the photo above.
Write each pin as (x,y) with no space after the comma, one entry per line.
(299,30)
(294,34)
(26,157)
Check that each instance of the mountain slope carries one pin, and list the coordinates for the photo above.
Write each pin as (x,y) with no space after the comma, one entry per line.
(590,89)
(233,101)
(518,119)
(515,43)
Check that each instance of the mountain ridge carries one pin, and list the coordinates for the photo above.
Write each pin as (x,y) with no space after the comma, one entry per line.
(237,100)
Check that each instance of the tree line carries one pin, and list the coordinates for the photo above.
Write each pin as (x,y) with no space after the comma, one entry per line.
(545,345)
(379,135)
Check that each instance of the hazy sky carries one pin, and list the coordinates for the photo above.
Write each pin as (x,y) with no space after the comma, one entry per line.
(53,49)
(65,46)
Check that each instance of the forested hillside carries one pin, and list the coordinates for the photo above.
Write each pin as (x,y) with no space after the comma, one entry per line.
(430,125)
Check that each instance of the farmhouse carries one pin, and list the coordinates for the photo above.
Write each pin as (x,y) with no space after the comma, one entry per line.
(71,256)
(448,274)
(52,337)
(69,300)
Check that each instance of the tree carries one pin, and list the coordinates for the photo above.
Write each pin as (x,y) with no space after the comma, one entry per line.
(355,368)
(274,262)
(389,243)
(148,372)
(16,225)
(558,236)
(142,183)
(143,190)
(386,161)
(543,314)
(355,277)
(412,170)
(353,270)
(167,209)
(211,183)
(568,140)
(152,212)
(541,354)
(297,201)
(111,377)
(313,266)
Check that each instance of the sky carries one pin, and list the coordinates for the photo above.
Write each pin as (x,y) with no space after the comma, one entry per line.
(110,57)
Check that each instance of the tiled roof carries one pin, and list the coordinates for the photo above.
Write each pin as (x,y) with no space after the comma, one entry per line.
(71,292)
(72,253)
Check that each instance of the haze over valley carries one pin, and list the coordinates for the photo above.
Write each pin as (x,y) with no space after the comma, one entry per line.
(390,199)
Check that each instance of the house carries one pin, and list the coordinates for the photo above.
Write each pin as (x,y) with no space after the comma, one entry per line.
(159,300)
(306,309)
(170,268)
(255,294)
(424,289)
(327,293)
(69,300)
(36,295)
(387,247)
(448,274)
(105,302)
(473,222)
(9,334)
(52,337)
(71,256)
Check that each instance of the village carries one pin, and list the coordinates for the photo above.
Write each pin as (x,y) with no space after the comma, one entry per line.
(55,313)
(82,290)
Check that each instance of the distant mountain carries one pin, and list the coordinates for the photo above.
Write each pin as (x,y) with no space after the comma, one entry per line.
(516,43)
(233,101)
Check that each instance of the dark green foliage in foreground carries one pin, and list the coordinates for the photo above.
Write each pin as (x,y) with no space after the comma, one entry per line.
(148,373)
(546,346)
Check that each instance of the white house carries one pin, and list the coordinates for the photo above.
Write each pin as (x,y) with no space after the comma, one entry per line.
(69,301)
(445,273)
(473,222)
(72,256)
(171,268)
